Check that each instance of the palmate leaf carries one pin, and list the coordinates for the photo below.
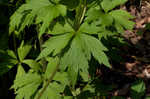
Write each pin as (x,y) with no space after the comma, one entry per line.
(138,86)
(23,78)
(95,14)
(96,48)
(42,11)
(62,36)
(90,28)
(27,91)
(62,77)
(58,84)
(138,89)
(55,88)
(121,18)
(61,29)
(51,66)
(118,19)
(79,53)
(52,91)
(75,60)
(8,59)
(20,72)
(26,84)
(23,50)
(110,4)
(55,44)
(52,12)
(33,64)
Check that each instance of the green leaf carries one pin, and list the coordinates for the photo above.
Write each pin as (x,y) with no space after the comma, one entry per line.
(53,91)
(61,29)
(89,28)
(26,84)
(27,92)
(138,86)
(118,19)
(105,33)
(121,18)
(51,66)
(32,64)
(23,78)
(73,74)
(95,14)
(15,19)
(58,84)
(23,50)
(75,59)
(61,77)
(55,44)
(20,72)
(110,4)
(51,12)
(138,89)
(7,61)
(41,11)
(96,48)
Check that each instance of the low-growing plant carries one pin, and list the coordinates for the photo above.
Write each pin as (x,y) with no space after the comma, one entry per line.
(55,58)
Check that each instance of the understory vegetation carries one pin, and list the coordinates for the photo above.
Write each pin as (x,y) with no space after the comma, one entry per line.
(72,49)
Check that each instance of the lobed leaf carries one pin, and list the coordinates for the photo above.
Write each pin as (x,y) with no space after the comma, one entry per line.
(110,4)
(75,60)
(121,18)
(96,48)
(138,86)
(41,11)
(23,50)
(32,64)
(61,29)
(26,84)
(55,44)
(8,59)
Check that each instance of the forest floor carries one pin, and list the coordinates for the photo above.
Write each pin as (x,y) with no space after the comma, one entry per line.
(136,56)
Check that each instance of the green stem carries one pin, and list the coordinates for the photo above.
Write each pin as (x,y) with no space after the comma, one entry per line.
(83,14)
(49,81)
(40,40)
(43,60)
(80,13)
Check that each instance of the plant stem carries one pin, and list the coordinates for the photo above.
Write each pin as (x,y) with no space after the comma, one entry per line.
(43,60)
(80,13)
(83,12)
(49,81)
(40,40)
